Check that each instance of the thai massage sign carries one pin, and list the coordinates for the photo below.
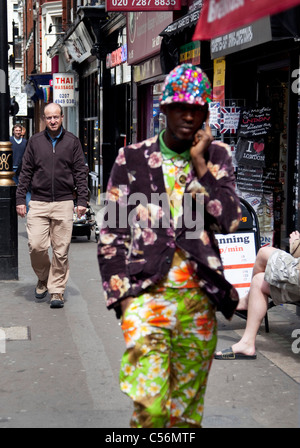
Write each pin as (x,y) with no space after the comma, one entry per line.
(143,5)
(255,126)
(63,89)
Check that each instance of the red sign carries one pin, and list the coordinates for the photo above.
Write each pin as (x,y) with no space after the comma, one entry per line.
(143,39)
(219,17)
(143,5)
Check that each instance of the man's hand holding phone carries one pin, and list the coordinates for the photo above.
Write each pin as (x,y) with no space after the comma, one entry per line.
(202,140)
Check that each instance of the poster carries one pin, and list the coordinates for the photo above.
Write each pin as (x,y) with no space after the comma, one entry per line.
(256,179)
(219,80)
(255,122)
(230,117)
(215,115)
(251,152)
(254,128)
(238,253)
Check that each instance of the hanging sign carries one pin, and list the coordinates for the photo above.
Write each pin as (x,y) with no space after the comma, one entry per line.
(219,80)
(117,57)
(143,5)
(190,53)
(222,16)
(63,89)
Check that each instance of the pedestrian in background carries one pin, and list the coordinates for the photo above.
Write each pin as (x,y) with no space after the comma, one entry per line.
(54,165)
(163,282)
(18,147)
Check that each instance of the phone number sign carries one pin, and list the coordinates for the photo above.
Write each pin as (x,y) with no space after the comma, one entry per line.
(143,5)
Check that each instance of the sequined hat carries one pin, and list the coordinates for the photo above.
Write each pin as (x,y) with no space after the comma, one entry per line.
(186,83)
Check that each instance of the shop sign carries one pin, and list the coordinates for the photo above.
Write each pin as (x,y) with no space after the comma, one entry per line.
(63,89)
(190,53)
(143,39)
(117,57)
(248,36)
(146,70)
(222,16)
(182,23)
(79,44)
(143,5)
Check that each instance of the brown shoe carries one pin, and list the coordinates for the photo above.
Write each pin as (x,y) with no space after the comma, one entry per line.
(41,289)
(57,300)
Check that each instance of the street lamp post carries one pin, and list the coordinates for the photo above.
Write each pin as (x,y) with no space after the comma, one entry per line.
(8,216)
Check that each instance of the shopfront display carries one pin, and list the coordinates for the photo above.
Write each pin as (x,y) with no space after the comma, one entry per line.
(89,132)
(144,44)
(256,131)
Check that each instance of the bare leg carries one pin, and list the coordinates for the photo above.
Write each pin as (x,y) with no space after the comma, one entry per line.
(257,308)
(260,264)
(262,258)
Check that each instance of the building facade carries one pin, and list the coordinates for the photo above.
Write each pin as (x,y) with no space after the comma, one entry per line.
(117,62)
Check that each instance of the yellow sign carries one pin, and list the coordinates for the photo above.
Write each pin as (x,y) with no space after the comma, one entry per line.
(219,80)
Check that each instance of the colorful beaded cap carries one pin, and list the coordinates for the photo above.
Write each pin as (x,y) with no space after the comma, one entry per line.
(186,83)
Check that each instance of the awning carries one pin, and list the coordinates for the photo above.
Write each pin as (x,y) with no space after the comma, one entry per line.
(38,80)
(176,34)
(187,21)
(41,78)
(286,25)
(223,16)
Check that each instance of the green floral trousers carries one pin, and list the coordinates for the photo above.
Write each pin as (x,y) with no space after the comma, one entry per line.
(170,336)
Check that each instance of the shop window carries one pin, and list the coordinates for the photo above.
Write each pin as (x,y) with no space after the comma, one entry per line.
(257,137)
(89,129)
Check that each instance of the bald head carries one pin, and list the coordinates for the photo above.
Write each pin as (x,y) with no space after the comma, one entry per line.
(53,118)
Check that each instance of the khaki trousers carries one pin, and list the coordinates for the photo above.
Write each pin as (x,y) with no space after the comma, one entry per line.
(50,224)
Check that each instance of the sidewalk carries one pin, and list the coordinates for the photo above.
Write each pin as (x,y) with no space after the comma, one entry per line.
(59,368)
(257,393)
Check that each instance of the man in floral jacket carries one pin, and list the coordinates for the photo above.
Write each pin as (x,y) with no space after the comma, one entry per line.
(159,261)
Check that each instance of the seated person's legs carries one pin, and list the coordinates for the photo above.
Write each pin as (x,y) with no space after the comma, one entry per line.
(257,308)
(260,264)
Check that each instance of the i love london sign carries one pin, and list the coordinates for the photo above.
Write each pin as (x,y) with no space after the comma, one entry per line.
(63,89)
(219,17)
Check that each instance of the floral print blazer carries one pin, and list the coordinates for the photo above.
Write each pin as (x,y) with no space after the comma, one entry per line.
(138,238)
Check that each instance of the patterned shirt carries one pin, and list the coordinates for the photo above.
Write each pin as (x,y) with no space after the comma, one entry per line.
(176,168)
